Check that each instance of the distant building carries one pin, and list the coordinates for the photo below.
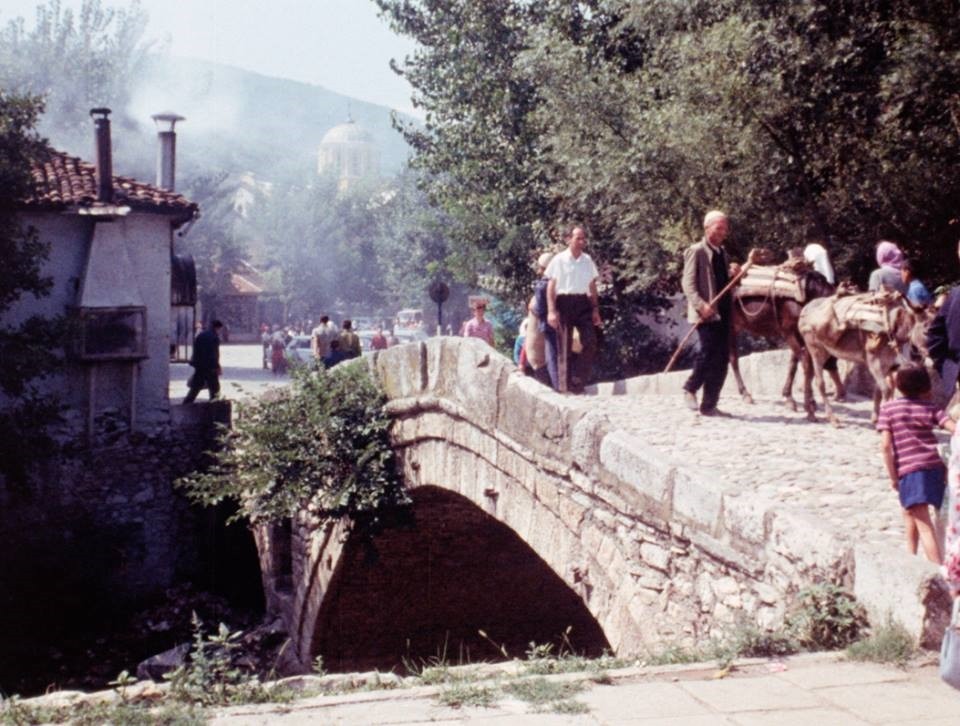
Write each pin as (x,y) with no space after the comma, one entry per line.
(243,301)
(349,153)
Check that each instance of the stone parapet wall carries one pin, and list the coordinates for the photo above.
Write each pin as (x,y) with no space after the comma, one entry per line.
(660,554)
(764,374)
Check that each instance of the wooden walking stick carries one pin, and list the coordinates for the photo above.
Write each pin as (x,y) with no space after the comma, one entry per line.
(733,281)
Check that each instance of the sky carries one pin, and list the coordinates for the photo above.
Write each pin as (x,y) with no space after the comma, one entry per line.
(341,45)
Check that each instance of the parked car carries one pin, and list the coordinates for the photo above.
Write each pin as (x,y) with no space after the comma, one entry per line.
(298,350)
(409,335)
(363,322)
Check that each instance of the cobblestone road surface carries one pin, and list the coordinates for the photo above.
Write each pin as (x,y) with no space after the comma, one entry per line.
(835,473)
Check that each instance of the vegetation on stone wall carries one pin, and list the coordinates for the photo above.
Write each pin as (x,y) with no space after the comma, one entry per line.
(320,446)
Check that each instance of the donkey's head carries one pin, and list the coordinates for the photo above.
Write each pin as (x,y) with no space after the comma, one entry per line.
(909,329)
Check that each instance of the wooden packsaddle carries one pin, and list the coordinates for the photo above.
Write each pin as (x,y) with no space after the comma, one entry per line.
(774,281)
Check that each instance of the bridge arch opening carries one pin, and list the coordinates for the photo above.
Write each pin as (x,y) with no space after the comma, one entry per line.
(426,591)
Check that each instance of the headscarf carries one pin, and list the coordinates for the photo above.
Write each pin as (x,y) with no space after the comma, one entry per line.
(889,255)
(817,255)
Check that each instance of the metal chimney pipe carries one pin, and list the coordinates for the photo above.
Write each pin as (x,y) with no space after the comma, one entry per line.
(166,149)
(104,154)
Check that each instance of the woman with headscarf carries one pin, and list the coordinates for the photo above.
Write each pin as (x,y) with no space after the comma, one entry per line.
(887,275)
(816,255)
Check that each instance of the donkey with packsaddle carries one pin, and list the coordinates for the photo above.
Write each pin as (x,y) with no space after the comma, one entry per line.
(795,303)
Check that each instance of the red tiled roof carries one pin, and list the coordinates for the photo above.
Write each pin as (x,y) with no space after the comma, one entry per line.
(61,180)
(243,285)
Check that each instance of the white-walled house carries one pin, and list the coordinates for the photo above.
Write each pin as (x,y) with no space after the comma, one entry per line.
(110,244)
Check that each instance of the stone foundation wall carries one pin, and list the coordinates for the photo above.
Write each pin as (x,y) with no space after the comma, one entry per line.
(102,525)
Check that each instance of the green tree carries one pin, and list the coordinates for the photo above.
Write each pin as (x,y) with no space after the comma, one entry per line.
(75,61)
(29,345)
(322,242)
(220,239)
(837,120)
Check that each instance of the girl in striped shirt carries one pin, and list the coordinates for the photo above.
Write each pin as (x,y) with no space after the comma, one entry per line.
(909,449)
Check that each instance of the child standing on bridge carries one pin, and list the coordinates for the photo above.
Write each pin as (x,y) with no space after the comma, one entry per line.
(909,450)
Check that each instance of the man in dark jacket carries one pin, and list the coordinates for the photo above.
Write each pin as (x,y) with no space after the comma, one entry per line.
(206,363)
(943,340)
(706,271)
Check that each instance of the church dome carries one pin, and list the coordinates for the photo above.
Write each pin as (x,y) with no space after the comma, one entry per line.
(348,133)
(349,153)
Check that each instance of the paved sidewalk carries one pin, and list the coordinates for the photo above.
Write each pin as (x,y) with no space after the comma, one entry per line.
(812,690)
(243,374)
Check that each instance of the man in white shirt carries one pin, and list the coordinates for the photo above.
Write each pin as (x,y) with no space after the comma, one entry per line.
(572,304)
(321,336)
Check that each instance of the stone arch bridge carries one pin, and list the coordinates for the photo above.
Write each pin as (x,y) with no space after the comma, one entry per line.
(618,518)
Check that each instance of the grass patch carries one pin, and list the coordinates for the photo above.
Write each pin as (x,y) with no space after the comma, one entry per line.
(569,706)
(890,643)
(13,713)
(457,695)
(546,695)
(676,655)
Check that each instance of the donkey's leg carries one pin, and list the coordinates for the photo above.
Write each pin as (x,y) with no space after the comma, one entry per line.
(796,346)
(818,357)
(831,367)
(879,368)
(735,365)
(809,405)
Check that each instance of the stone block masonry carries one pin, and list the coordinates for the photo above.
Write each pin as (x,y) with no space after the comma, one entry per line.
(101,525)
(668,528)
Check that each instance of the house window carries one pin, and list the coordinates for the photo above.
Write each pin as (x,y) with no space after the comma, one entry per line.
(112,333)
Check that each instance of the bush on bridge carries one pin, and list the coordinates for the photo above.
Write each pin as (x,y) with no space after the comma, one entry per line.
(321,446)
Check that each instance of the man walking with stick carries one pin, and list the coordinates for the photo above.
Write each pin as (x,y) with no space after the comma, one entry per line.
(706,273)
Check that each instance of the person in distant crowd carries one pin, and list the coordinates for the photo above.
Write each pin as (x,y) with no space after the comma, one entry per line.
(321,336)
(943,340)
(265,338)
(706,271)
(887,275)
(541,310)
(573,305)
(533,356)
(379,340)
(334,355)
(478,326)
(816,254)
(350,341)
(518,342)
(206,363)
(278,352)
(909,449)
(393,340)
(917,292)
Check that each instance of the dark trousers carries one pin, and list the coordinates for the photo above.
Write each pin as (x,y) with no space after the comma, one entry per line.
(550,349)
(201,379)
(710,369)
(575,311)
